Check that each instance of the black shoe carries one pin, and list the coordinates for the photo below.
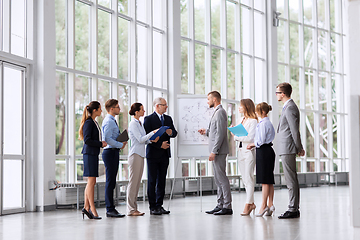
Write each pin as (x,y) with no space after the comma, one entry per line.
(289,214)
(115,214)
(163,211)
(224,211)
(216,209)
(84,211)
(155,212)
(93,216)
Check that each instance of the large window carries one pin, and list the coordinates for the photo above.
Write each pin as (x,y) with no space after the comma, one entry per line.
(223,48)
(104,51)
(310,43)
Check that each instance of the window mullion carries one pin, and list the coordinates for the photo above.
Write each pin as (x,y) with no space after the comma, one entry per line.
(191,51)
(208,75)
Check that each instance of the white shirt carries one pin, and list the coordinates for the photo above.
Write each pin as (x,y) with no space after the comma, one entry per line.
(250,126)
(265,132)
(138,137)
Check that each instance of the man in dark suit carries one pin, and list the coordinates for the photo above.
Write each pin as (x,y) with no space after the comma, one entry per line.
(157,155)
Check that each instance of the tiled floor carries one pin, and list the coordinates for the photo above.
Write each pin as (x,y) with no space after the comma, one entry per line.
(324,215)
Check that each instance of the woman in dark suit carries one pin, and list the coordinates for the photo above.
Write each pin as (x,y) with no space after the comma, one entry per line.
(90,132)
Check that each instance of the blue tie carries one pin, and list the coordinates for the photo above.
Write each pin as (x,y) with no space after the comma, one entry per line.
(162,120)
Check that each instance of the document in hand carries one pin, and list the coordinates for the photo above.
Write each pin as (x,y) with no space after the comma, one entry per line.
(123,137)
(159,132)
(238,130)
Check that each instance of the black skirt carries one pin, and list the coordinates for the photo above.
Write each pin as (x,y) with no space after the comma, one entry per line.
(265,162)
(91,165)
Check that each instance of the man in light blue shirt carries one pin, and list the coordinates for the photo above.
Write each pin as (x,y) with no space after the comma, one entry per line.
(110,154)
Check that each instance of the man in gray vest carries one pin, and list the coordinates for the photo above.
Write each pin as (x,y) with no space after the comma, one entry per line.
(219,148)
(289,144)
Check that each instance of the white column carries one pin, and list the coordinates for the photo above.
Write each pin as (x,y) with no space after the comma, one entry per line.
(44,152)
(174,73)
(352,91)
(272,66)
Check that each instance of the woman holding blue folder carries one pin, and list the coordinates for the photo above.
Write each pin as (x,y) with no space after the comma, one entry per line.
(138,139)
(246,157)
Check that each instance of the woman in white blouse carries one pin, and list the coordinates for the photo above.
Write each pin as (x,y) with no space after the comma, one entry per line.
(138,139)
(246,157)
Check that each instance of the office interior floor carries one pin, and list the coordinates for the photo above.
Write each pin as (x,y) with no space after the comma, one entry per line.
(325,214)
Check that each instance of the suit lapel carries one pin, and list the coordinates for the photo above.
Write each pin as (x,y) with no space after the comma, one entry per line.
(214,114)
(283,112)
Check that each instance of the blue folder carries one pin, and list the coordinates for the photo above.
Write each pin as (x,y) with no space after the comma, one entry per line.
(159,132)
(238,130)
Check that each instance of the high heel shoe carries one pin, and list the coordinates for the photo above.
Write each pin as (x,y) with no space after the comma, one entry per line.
(252,208)
(271,210)
(266,209)
(93,216)
(84,211)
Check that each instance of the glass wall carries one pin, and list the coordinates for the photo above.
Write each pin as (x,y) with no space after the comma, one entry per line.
(103,51)
(310,52)
(106,50)
(223,48)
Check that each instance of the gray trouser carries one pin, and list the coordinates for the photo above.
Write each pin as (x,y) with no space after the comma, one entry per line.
(292,183)
(222,182)
(136,167)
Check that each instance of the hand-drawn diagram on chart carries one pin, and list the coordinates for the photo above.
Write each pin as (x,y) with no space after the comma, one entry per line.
(194,113)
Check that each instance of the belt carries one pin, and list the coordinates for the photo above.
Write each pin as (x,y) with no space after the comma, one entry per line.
(113,149)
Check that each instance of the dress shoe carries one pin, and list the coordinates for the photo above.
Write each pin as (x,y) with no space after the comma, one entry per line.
(271,210)
(115,214)
(155,212)
(224,211)
(289,214)
(136,213)
(84,211)
(216,209)
(252,208)
(163,211)
(266,209)
(93,216)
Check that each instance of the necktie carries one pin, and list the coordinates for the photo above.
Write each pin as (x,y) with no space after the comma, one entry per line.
(162,120)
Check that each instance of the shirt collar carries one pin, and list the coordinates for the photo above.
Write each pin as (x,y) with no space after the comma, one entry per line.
(264,119)
(110,116)
(158,114)
(287,102)
(218,106)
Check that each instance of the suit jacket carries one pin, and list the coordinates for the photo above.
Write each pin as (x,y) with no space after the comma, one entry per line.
(289,141)
(152,122)
(217,132)
(92,144)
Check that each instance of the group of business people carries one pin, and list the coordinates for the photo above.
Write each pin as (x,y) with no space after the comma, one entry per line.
(157,154)
(256,149)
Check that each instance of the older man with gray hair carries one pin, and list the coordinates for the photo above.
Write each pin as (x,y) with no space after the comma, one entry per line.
(157,155)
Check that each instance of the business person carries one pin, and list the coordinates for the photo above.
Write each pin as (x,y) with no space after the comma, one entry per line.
(219,148)
(90,132)
(110,154)
(157,155)
(246,157)
(289,144)
(138,139)
(265,158)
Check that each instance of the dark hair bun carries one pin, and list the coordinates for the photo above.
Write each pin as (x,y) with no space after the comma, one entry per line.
(135,107)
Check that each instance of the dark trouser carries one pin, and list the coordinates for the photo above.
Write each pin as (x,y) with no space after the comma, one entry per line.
(157,169)
(111,161)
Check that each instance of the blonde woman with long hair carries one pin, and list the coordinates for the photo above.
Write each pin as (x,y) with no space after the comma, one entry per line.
(246,157)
